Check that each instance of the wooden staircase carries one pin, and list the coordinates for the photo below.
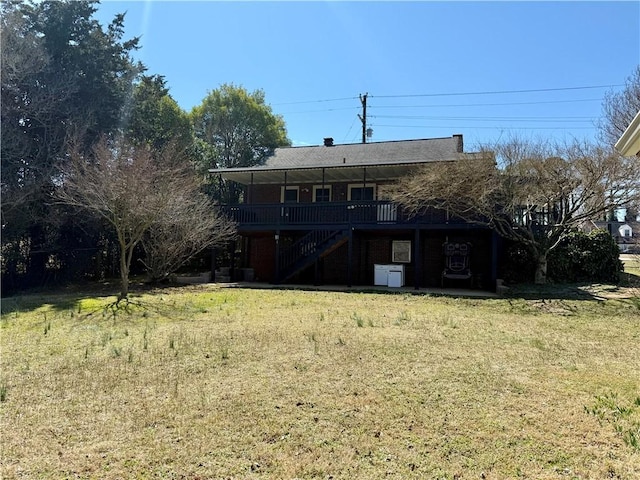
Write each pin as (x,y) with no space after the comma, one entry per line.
(306,250)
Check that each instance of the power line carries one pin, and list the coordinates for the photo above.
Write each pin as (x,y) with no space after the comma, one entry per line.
(376,107)
(464,105)
(482,127)
(321,111)
(489,119)
(497,92)
(316,101)
(488,104)
(351,127)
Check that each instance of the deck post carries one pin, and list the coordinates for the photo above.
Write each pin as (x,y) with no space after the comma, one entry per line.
(350,259)
(417,257)
(276,280)
(214,253)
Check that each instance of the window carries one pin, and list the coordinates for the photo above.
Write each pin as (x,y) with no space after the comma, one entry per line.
(361,192)
(289,194)
(321,193)
(627,232)
(401,251)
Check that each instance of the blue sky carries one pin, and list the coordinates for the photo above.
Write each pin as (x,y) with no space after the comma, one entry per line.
(431,69)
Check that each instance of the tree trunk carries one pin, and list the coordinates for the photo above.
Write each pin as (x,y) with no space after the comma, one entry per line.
(541,269)
(124,275)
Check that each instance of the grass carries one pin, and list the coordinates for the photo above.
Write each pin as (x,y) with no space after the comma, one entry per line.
(202,382)
(631,263)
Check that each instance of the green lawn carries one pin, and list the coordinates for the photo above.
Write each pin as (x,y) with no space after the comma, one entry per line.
(205,382)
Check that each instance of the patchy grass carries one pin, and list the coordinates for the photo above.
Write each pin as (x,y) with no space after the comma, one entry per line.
(203,382)
(631,275)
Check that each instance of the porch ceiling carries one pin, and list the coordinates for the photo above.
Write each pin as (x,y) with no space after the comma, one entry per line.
(316,175)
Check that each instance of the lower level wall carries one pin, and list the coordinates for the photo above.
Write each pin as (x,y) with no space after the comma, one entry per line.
(372,247)
(262,257)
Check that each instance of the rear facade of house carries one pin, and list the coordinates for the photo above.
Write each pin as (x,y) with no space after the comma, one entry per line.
(322,215)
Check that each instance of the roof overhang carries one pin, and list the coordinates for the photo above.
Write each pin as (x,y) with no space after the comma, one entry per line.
(317,174)
(629,143)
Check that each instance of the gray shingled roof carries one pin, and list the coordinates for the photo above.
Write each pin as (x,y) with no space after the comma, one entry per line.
(402,151)
(378,160)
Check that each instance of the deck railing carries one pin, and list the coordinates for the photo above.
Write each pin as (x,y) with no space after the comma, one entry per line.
(332,213)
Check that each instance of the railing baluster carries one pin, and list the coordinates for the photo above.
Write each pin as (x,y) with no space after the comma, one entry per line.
(314,215)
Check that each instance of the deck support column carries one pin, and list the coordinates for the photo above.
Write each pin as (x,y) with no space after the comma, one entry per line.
(214,253)
(417,256)
(350,259)
(276,280)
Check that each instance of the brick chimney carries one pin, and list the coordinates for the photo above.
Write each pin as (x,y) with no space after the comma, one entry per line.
(460,146)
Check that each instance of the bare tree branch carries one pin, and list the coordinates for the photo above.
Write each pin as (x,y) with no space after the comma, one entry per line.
(140,193)
(532,192)
(619,108)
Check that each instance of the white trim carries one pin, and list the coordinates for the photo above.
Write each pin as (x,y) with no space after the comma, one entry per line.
(401,251)
(290,187)
(322,187)
(629,143)
(623,229)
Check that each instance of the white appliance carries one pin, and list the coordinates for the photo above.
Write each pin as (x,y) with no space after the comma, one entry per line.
(388,275)
(395,276)
(380,274)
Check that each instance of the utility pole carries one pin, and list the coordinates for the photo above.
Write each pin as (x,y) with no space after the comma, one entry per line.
(363,117)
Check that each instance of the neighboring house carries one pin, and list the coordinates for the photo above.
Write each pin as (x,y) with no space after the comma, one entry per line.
(629,143)
(625,234)
(321,215)
(628,234)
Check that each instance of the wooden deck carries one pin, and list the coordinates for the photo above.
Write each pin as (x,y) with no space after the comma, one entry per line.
(334,215)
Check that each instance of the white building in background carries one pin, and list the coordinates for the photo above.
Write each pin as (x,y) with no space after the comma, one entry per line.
(629,143)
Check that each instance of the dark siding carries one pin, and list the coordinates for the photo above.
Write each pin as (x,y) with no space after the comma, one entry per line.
(264,194)
(370,248)
(262,258)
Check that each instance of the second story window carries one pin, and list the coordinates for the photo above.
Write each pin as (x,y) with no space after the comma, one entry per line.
(321,194)
(358,193)
(289,194)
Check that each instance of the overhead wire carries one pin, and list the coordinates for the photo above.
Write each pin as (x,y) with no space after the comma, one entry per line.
(561,122)
(497,92)
(506,104)
(350,128)
(442,94)
(487,119)
(500,104)
(316,101)
(476,126)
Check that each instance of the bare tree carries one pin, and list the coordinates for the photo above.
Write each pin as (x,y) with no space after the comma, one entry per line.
(136,189)
(189,224)
(532,192)
(619,108)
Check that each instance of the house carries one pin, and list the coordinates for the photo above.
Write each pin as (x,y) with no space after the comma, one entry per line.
(626,234)
(322,215)
(628,237)
(629,142)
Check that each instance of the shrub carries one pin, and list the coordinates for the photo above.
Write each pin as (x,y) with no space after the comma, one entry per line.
(518,265)
(582,257)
